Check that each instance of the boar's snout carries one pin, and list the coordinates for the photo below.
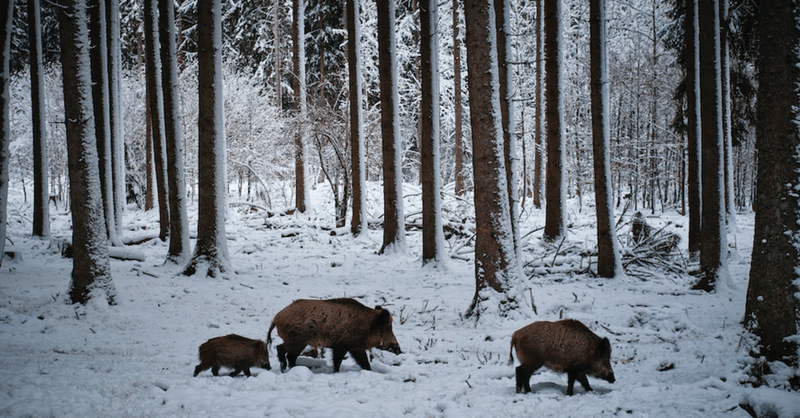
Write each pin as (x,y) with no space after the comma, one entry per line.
(610,377)
(393,348)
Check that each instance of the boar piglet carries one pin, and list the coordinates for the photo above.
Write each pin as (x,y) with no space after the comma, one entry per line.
(234,351)
(344,325)
(562,346)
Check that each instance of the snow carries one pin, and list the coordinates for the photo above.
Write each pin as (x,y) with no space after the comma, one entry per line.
(675,352)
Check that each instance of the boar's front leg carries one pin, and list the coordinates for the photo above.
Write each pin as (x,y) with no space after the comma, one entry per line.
(338,356)
(580,377)
(360,356)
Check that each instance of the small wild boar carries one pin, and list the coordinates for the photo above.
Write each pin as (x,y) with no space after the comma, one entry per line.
(561,346)
(234,351)
(344,325)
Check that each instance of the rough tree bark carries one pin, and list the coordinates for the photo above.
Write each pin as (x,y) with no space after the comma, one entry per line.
(211,248)
(772,309)
(91,269)
(393,214)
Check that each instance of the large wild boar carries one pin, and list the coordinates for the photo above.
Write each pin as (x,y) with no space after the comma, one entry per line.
(561,346)
(344,325)
(234,351)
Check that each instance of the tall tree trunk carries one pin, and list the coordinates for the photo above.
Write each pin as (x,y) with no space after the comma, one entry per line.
(99,58)
(693,125)
(6,19)
(149,193)
(495,258)
(502,10)
(727,162)
(713,246)
(538,105)
(276,39)
(211,248)
(771,311)
(91,269)
(299,60)
(115,112)
(432,232)
(41,198)
(458,112)
(393,214)
(555,225)
(609,262)
(359,221)
(156,101)
(179,225)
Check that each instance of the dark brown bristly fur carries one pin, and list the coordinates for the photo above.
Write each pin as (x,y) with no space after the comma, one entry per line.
(344,325)
(233,351)
(562,346)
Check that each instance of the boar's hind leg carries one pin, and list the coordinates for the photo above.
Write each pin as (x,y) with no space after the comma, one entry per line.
(360,356)
(215,370)
(524,373)
(580,377)
(237,371)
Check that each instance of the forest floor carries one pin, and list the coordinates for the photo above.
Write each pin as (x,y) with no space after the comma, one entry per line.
(675,351)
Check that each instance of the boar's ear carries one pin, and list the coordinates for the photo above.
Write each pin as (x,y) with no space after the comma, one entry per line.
(378,307)
(604,346)
(384,318)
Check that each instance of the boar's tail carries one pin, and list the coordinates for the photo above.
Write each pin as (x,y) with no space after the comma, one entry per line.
(511,354)
(269,334)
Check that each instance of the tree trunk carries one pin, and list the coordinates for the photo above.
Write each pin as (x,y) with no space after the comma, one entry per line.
(179,227)
(432,232)
(276,52)
(495,258)
(502,11)
(156,100)
(538,105)
(458,142)
(99,57)
(91,269)
(771,311)
(6,19)
(693,125)
(115,113)
(609,263)
(393,214)
(713,246)
(299,60)
(211,248)
(554,226)
(41,198)
(727,162)
(359,221)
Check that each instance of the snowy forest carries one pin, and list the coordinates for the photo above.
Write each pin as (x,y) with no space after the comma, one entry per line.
(175,171)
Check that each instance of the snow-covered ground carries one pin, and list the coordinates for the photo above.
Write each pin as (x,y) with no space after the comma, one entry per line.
(676,352)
